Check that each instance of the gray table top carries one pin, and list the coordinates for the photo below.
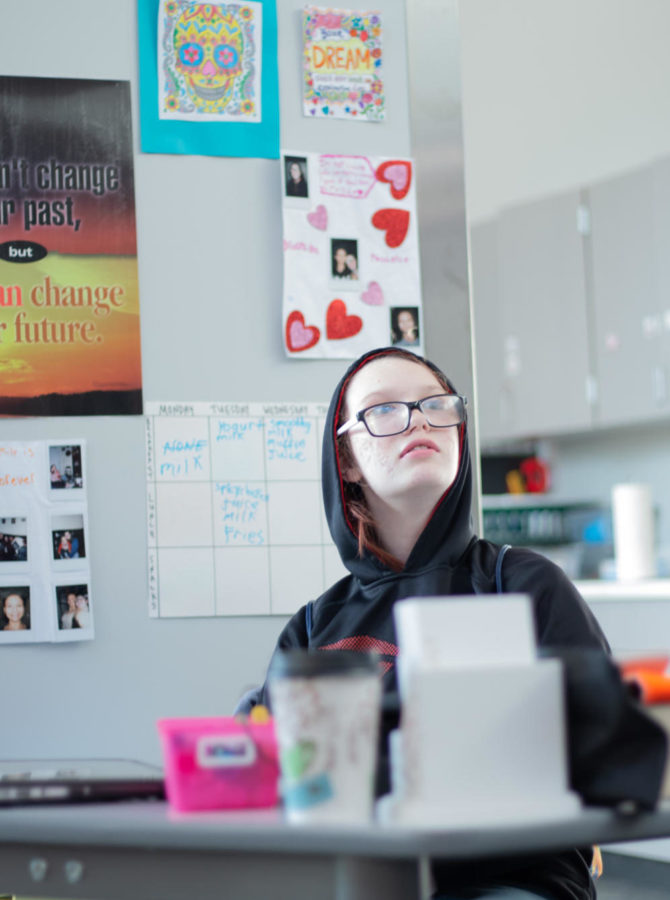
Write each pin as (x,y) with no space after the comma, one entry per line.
(152,825)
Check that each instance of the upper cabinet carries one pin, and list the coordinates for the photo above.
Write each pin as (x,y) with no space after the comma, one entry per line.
(571,299)
(530,314)
(625,303)
(661,322)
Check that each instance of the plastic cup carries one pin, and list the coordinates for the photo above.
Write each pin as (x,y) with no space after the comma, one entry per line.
(326,708)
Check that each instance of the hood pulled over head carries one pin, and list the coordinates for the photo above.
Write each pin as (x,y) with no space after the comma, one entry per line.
(448,530)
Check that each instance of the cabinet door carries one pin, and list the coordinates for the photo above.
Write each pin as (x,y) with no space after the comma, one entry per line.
(545,341)
(492,398)
(624,297)
(660,324)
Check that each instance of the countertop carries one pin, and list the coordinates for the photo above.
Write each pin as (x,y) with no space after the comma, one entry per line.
(649,589)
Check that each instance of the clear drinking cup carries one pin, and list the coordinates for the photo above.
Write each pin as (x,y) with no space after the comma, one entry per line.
(326,707)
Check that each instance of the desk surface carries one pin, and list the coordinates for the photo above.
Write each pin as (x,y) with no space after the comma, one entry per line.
(153,824)
(135,850)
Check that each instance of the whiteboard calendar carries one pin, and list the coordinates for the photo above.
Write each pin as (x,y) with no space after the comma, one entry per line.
(234,513)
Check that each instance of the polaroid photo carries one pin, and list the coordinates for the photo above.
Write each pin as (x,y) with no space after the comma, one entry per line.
(14,546)
(68,538)
(295,178)
(404,327)
(73,609)
(343,265)
(15,614)
(66,471)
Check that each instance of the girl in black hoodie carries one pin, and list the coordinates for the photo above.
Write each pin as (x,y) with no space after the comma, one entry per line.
(397,489)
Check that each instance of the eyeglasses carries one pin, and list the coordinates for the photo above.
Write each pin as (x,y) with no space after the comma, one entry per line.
(384,419)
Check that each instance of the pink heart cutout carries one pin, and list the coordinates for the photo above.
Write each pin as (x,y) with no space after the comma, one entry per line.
(397,173)
(318,218)
(374,295)
(397,176)
(298,335)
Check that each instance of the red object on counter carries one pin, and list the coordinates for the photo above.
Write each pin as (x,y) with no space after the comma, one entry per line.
(536,475)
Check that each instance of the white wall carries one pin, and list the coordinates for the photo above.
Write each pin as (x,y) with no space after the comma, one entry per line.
(556,94)
(103,697)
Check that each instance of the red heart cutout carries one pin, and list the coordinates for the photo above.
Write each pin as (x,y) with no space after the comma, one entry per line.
(397,173)
(395,222)
(338,324)
(298,335)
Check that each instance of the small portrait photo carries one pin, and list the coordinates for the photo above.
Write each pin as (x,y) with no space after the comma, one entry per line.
(73,607)
(65,466)
(295,176)
(67,537)
(15,608)
(405,326)
(13,539)
(344,259)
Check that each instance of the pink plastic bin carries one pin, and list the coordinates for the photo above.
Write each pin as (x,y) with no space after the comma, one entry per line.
(219,763)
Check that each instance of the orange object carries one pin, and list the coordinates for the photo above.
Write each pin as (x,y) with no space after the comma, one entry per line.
(597,862)
(514,482)
(654,687)
(644,664)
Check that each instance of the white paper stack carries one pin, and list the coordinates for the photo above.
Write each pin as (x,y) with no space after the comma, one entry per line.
(482,739)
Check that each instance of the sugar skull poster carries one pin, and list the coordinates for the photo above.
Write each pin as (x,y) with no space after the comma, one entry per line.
(208,78)
(342,64)
(210,61)
(351,255)
(69,297)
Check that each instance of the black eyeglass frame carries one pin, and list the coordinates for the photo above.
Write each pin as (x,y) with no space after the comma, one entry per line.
(411,405)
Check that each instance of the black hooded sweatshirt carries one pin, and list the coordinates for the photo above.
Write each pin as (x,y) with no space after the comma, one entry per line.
(356,614)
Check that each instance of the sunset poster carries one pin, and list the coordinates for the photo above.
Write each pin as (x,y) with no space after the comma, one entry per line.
(69,304)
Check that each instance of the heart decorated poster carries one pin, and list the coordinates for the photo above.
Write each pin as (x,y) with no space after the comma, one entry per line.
(351,255)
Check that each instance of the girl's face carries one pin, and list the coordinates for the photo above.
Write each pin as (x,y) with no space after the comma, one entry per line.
(423,458)
(296,174)
(341,256)
(14,608)
(406,322)
(81,602)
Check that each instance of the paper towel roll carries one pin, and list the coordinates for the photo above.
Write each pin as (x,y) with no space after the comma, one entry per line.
(633,523)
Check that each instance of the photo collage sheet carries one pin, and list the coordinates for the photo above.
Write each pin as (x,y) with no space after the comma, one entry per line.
(351,255)
(45,583)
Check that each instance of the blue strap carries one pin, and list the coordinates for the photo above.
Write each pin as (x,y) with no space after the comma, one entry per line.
(499,562)
(308,619)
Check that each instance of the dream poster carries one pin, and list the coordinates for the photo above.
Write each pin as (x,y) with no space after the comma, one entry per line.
(69,306)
